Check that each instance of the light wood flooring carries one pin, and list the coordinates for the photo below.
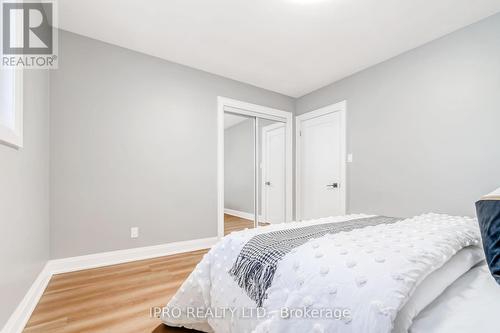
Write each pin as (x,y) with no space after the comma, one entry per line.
(234,223)
(112,299)
(117,299)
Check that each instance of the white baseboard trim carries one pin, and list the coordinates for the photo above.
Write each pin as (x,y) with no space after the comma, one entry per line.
(72,264)
(237,213)
(18,320)
(243,215)
(21,315)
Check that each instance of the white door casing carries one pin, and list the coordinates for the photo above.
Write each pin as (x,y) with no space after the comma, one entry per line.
(321,162)
(273,173)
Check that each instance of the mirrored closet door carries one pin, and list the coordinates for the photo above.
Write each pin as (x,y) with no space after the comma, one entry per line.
(254,170)
(239,172)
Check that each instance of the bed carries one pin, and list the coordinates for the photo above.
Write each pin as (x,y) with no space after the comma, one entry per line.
(354,273)
(470,304)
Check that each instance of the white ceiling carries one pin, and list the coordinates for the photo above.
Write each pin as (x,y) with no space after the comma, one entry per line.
(288,46)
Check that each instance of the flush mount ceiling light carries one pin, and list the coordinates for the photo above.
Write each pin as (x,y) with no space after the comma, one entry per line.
(305,2)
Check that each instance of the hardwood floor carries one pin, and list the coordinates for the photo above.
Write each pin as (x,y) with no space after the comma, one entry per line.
(117,298)
(234,223)
(112,299)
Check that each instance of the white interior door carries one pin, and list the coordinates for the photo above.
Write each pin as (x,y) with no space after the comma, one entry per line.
(273,173)
(321,169)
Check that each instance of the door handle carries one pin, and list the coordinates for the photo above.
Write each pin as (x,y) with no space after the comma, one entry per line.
(334,185)
(267,183)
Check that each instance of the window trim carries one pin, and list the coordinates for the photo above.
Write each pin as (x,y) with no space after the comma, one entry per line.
(13,136)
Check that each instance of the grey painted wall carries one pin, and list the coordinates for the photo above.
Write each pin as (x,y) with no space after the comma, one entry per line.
(424,126)
(24,198)
(134,143)
(134,138)
(239,167)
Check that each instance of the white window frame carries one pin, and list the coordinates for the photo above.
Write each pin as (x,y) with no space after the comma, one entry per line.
(13,135)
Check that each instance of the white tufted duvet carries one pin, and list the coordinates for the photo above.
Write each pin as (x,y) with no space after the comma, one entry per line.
(354,281)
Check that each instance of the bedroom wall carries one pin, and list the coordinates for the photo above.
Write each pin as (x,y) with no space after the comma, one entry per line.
(134,144)
(239,167)
(423,127)
(24,198)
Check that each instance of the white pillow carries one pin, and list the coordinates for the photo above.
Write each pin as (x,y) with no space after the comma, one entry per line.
(434,284)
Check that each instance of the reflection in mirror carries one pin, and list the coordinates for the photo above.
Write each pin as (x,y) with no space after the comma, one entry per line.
(239,172)
(272,177)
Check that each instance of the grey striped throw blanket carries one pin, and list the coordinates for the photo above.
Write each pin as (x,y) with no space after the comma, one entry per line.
(257,262)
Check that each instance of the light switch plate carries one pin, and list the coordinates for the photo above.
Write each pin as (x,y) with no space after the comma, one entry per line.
(134,232)
(349,158)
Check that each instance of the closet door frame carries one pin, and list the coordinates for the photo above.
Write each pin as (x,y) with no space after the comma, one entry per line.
(225,104)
